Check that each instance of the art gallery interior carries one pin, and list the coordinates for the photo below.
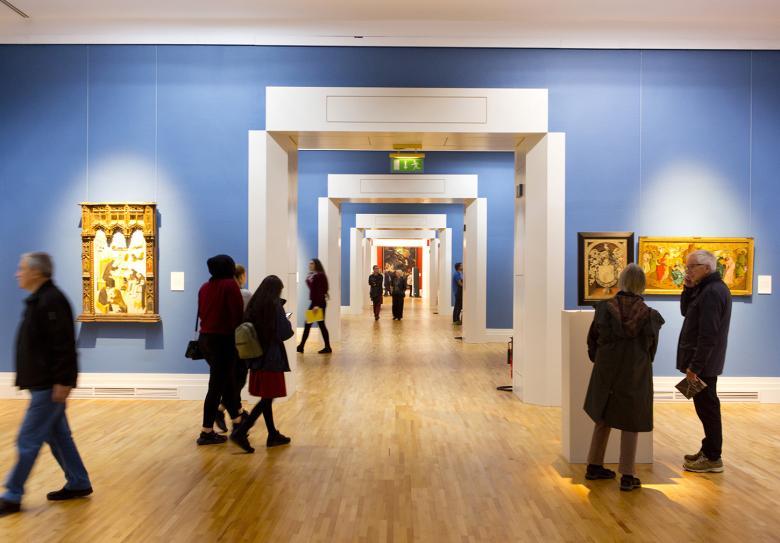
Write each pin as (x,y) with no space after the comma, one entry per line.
(138,141)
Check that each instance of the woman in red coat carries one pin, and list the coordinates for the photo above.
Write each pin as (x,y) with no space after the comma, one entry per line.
(266,379)
(317,282)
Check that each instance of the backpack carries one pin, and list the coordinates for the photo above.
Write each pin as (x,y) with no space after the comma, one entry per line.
(247,344)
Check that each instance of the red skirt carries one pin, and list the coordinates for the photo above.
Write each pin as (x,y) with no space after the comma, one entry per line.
(267,384)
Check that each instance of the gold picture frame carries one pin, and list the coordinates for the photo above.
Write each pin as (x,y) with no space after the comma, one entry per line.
(663,261)
(119,262)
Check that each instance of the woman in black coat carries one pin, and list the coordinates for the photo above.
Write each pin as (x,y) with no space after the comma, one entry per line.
(266,380)
(621,343)
(399,293)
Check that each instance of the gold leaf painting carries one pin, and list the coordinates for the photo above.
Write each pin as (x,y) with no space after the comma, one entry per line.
(663,261)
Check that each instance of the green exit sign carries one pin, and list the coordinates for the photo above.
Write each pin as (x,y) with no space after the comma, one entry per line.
(400,164)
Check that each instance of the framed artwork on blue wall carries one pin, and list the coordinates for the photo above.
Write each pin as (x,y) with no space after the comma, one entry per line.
(601,258)
(119,262)
(663,261)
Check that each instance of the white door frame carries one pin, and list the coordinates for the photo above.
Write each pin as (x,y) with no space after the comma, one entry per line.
(368,118)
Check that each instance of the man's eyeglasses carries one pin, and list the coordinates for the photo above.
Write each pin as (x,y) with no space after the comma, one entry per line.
(693,266)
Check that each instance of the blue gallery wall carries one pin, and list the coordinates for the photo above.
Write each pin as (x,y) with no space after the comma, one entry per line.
(496,182)
(658,142)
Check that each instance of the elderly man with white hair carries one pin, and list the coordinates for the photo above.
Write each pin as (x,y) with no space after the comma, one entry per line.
(701,351)
(47,366)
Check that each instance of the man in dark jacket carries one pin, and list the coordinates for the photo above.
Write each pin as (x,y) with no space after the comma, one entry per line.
(701,351)
(375,281)
(46,364)
(399,292)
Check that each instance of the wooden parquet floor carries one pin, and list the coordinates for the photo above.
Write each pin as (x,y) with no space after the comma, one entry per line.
(398,436)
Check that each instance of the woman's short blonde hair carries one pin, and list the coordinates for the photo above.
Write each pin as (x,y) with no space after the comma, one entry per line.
(632,279)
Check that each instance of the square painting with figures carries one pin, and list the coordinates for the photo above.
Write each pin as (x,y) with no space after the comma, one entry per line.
(663,261)
(602,256)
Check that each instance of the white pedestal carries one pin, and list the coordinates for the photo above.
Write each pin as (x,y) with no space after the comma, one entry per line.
(577,425)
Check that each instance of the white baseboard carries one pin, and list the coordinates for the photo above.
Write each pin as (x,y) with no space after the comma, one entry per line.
(193,386)
(498,335)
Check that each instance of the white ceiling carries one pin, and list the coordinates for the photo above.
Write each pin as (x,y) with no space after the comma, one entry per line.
(694,24)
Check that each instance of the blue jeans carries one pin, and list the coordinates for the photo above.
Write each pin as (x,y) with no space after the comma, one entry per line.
(45,421)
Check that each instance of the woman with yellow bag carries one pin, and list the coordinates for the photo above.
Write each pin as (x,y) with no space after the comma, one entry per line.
(317,282)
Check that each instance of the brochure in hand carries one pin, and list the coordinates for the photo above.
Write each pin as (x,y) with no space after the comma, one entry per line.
(690,389)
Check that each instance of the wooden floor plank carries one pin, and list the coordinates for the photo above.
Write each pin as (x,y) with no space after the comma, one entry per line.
(399,436)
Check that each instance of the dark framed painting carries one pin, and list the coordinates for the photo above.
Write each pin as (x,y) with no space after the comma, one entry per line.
(601,258)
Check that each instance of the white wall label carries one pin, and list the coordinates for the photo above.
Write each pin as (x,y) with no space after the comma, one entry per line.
(765,284)
(177,280)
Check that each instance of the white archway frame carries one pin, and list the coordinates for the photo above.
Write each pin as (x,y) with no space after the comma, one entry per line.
(367,118)
(381,226)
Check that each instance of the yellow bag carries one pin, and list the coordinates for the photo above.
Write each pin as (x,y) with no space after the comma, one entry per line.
(315,315)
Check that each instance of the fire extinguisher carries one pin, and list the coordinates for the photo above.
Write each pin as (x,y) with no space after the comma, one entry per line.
(509,357)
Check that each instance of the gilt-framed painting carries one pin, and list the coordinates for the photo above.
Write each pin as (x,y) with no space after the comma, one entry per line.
(602,256)
(663,261)
(119,262)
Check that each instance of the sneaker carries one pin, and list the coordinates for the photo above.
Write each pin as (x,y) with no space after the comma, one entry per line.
(219,420)
(299,348)
(68,494)
(277,439)
(7,508)
(326,350)
(241,439)
(629,482)
(693,457)
(595,471)
(211,438)
(704,465)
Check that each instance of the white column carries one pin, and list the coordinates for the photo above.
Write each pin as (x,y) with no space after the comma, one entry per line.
(433,285)
(577,426)
(475,272)
(426,271)
(541,277)
(329,253)
(445,271)
(272,221)
(368,267)
(357,277)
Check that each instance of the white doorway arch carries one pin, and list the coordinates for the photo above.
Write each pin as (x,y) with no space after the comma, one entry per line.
(367,118)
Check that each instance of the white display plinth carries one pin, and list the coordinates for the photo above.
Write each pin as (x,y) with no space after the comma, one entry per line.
(577,425)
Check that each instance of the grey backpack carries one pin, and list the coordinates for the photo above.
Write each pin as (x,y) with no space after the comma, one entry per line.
(247,344)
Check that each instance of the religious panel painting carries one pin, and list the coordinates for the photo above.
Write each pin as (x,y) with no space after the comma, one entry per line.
(399,258)
(602,256)
(119,262)
(663,261)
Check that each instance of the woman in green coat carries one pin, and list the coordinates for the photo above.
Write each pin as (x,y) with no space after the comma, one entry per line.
(621,344)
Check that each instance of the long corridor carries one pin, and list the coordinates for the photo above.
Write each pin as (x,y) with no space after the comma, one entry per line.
(400,435)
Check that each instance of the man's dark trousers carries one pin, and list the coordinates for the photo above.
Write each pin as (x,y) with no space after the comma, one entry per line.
(708,408)
(458,305)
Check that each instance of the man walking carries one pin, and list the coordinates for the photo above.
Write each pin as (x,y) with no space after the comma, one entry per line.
(457,289)
(375,281)
(701,352)
(46,364)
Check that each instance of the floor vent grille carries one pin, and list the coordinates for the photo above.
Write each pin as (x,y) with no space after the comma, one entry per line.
(151,393)
(733,396)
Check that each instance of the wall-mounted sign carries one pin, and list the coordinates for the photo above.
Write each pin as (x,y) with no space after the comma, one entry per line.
(406,163)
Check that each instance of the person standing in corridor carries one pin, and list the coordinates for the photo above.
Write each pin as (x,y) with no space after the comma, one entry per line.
(375,281)
(399,292)
(457,289)
(46,365)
